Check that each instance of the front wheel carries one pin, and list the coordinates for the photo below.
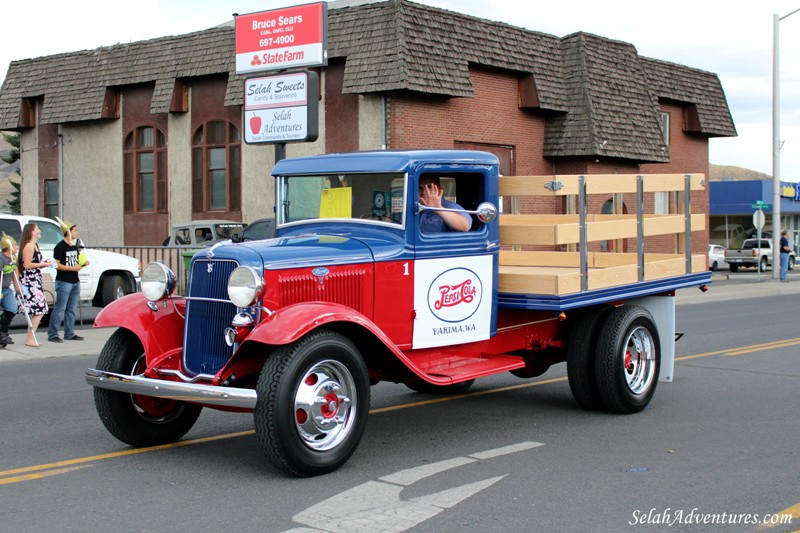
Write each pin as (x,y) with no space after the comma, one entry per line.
(628,359)
(313,399)
(132,418)
(791,262)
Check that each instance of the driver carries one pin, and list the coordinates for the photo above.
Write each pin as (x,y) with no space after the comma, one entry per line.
(431,195)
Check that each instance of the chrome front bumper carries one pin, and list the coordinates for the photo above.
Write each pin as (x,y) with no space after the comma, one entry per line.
(187,392)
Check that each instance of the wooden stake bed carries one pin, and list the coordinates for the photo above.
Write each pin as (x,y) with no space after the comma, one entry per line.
(561,273)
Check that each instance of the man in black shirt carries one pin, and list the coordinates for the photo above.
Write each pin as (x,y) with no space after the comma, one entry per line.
(68,286)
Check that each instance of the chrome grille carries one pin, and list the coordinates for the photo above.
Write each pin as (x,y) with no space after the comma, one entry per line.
(343,288)
(204,347)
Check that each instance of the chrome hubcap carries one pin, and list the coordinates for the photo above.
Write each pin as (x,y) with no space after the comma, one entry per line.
(639,359)
(325,405)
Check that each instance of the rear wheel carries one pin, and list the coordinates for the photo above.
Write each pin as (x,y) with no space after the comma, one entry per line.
(734,268)
(762,265)
(581,358)
(313,399)
(135,419)
(628,359)
(791,262)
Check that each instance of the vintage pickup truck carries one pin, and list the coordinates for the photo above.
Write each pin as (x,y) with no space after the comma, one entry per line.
(352,292)
(753,253)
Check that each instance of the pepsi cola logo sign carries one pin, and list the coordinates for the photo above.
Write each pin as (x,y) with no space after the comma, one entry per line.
(455,295)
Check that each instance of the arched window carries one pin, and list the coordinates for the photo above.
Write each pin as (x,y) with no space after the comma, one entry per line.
(145,172)
(216,167)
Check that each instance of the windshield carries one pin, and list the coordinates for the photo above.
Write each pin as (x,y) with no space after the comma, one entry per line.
(224,231)
(358,197)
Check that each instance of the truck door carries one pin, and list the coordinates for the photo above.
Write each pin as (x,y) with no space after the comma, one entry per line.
(455,272)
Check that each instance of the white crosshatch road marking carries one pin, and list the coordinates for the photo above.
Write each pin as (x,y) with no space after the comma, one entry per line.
(377,505)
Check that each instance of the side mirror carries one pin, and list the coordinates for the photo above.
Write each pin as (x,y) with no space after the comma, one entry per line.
(486,212)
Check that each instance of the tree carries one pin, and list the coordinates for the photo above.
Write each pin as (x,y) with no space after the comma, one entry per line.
(12,158)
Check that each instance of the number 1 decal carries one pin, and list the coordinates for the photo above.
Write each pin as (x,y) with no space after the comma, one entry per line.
(405,269)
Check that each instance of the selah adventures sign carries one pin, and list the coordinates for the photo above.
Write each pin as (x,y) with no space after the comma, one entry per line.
(282,38)
(281,108)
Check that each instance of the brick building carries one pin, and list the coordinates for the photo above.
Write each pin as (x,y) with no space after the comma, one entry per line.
(130,138)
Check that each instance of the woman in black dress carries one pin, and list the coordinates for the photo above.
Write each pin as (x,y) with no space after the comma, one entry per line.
(29,264)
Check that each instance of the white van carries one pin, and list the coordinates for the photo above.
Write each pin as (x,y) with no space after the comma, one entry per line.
(108,277)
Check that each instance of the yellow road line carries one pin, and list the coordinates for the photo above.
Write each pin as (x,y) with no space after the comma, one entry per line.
(60,467)
(793,512)
(123,453)
(39,475)
(744,349)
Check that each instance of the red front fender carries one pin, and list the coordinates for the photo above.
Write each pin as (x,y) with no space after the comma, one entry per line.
(159,331)
(290,323)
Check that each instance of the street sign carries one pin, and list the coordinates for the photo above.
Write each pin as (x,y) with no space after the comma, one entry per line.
(760,204)
(282,38)
(759,219)
(281,108)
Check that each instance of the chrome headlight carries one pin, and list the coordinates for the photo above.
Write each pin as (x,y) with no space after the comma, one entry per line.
(245,286)
(158,282)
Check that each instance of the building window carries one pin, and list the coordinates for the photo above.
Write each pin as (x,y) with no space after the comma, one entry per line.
(665,128)
(216,167)
(145,171)
(51,198)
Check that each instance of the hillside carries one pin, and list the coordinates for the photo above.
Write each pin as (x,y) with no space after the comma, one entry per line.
(730,173)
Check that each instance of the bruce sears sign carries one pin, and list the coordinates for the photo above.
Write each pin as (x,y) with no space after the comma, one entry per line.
(282,38)
(281,108)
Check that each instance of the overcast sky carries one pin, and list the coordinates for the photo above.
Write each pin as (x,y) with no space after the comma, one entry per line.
(735,42)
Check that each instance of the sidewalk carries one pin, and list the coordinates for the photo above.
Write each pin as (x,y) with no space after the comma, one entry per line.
(722,289)
(93,341)
(719,290)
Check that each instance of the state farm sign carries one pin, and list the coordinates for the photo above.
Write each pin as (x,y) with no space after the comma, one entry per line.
(282,38)
(281,108)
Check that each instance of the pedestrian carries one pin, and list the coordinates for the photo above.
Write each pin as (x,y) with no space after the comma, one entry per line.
(784,250)
(8,300)
(29,264)
(69,262)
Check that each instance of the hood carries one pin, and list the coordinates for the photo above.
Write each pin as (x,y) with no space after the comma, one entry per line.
(295,251)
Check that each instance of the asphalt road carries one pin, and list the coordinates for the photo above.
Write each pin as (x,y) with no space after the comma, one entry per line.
(511,455)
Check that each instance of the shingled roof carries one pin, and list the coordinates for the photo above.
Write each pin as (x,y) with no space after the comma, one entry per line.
(600,95)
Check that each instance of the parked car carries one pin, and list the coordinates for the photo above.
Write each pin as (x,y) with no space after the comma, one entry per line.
(200,233)
(754,253)
(716,257)
(109,276)
(263,228)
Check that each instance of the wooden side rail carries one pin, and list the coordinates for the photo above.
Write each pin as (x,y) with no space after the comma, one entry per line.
(564,185)
(546,273)
(565,229)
